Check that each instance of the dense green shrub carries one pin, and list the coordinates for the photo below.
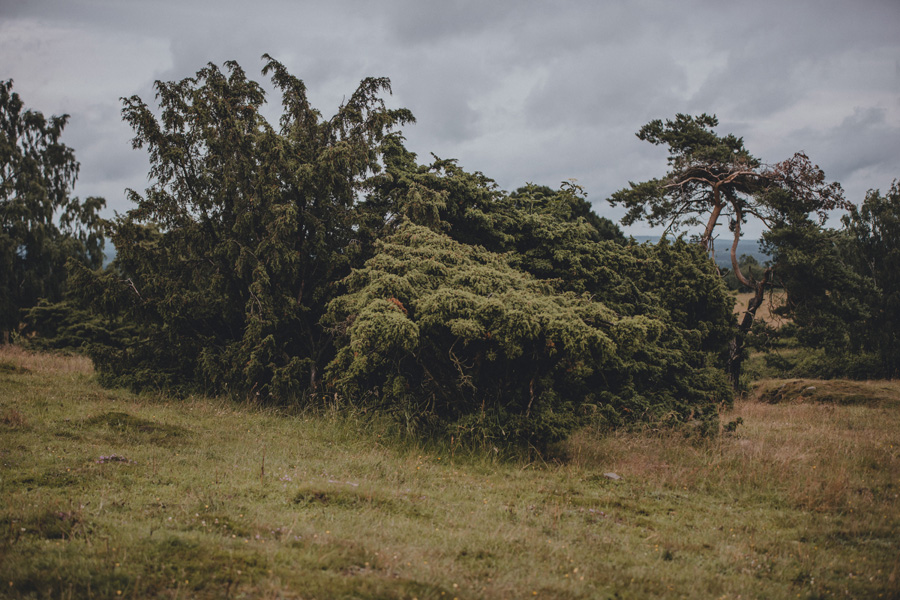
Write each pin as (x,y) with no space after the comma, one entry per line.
(843,287)
(453,338)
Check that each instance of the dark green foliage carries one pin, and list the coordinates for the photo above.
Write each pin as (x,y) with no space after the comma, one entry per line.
(41,225)
(822,288)
(714,177)
(258,257)
(843,288)
(66,325)
(556,238)
(441,196)
(450,336)
(227,261)
(874,231)
(469,206)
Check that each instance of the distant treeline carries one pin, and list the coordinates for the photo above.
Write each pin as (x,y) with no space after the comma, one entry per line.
(722,249)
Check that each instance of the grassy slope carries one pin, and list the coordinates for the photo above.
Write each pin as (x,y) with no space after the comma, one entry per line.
(217,500)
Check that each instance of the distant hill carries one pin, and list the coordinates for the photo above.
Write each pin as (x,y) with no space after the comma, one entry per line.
(723,249)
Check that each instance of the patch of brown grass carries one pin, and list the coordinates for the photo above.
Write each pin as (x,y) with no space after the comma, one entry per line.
(45,362)
(831,455)
(764,312)
(13,419)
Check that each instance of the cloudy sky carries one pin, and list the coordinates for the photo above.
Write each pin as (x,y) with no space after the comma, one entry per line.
(523,91)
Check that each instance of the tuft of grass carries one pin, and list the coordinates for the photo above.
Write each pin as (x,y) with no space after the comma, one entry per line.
(108,494)
(118,425)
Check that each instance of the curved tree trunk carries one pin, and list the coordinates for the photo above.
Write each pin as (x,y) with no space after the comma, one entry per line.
(736,347)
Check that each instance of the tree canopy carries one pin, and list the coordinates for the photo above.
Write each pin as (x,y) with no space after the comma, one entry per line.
(713,177)
(41,225)
(228,259)
(843,285)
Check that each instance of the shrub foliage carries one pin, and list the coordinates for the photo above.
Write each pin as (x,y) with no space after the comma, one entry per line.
(321,260)
(451,335)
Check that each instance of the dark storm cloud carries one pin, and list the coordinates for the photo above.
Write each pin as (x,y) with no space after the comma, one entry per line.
(522,91)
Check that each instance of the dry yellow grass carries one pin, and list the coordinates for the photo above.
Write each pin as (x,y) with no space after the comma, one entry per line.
(828,447)
(45,362)
(764,312)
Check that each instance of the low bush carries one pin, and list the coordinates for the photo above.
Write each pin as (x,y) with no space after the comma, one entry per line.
(450,338)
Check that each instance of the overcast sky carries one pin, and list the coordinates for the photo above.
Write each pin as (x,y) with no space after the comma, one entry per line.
(523,91)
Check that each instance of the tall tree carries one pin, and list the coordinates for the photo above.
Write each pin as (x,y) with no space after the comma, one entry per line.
(230,256)
(713,178)
(843,286)
(41,224)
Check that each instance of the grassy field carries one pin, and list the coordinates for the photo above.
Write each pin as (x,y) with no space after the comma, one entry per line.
(112,495)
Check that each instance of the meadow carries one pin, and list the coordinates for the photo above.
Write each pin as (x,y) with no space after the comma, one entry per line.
(108,494)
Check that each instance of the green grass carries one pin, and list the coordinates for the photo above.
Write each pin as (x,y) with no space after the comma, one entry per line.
(108,494)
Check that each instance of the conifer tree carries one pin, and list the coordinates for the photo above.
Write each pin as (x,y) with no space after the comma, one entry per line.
(713,178)
(41,224)
(228,259)
(843,286)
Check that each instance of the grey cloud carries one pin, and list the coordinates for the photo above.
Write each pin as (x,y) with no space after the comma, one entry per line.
(419,23)
(862,152)
(521,90)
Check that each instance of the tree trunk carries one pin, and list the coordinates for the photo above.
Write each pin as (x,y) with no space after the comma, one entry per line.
(736,347)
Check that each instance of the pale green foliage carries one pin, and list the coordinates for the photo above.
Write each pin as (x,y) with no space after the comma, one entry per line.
(450,335)
(451,331)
